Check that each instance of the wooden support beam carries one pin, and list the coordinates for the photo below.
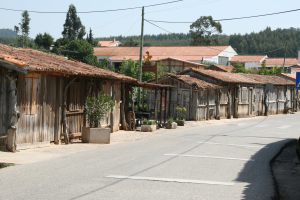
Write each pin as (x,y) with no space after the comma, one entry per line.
(229,103)
(123,119)
(165,113)
(191,104)
(170,102)
(218,104)
(143,97)
(112,112)
(155,105)
(207,104)
(132,110)
(161,100)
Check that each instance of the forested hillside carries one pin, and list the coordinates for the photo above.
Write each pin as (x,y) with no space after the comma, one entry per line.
(253,43)
(7,33)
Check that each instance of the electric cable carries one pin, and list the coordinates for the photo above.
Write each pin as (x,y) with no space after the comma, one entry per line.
(158,26)
(232,18)
(97,11)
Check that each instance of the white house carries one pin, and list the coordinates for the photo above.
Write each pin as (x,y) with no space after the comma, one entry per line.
(248,61)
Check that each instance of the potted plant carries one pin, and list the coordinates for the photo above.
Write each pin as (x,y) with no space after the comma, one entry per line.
(148,126)
(96,107)
(180,116)
(171,124)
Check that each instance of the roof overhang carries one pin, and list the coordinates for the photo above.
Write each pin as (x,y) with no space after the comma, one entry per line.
(19,68)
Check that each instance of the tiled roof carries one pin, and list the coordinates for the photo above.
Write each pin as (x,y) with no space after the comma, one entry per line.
(279,61)
(43,62)
(248,58)
(223,76)
(107,43)
(156,58)
(191,81)
(292,76)
(185,61)
(169,51)
(240,77)
(295,69)
(223,67)
(263,79)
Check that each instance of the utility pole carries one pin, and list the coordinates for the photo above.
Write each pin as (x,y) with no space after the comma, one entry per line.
(284,55)
(141,53)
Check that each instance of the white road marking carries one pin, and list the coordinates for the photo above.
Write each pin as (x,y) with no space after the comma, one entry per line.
(262,125)
(226,158)
(284,126)
(171,180)
(232,145)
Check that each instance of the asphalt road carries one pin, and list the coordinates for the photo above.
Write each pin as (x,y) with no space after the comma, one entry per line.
(217,161)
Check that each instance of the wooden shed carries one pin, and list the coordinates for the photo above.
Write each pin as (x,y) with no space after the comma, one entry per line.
(197,96)
(244,95)
(42,97)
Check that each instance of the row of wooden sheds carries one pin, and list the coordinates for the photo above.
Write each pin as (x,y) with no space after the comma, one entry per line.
(42,97)
(209,94)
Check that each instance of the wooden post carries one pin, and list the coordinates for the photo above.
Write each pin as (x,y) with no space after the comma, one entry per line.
(218,105)
(123,119)
(161,99)
(165,113)
(132,110)
(266,104)
(12,111)
(229,103)
(236,101)
(57,110)
(207,105)
(143,97)
(286,101)
(113,97)
(155,105)
(64,111)
(170,102)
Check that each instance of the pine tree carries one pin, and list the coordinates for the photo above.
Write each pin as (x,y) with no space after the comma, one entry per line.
(73,28)
(90,38)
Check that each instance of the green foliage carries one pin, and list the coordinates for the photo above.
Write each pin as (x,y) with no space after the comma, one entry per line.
(202,30)
(45,40)
(3,165)
(238,68)
(170,120)
(180,111)
(263,69)
(24,27)
(96,107)
(73,28)
(151,123)
(81,50)
(131,43)
(145,122)
(90,38)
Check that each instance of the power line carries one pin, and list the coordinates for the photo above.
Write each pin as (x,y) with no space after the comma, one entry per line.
(157,26)
(97,11)
(231,18)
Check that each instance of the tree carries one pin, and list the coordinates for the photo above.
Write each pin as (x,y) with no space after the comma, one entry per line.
(81,50)
(24,26)
(131,43)
(45,40)
(202,29)
(90,38)
(263,70)
(238,68)
(73,28)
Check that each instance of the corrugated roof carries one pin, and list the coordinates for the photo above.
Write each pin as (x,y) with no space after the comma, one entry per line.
(169,51)
(43,62)
(248,58)
(222,67)
(190,81)
(279,61)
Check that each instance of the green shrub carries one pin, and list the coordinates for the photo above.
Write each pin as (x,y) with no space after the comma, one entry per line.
(170,120)
(145,122)
(151,123)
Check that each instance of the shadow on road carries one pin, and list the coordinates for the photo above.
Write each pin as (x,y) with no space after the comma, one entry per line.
(258,174)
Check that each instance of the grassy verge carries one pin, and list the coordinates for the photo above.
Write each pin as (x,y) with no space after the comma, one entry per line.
(3,165)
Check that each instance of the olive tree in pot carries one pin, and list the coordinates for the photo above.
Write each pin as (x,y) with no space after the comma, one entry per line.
(171,124)
(180,116)
(96,107)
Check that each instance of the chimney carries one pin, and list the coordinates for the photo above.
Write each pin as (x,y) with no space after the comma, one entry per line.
(114,40)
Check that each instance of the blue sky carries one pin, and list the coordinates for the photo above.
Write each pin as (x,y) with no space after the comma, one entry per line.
(128,22)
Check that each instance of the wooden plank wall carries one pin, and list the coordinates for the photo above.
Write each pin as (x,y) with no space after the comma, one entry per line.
(179,66)
(3,102)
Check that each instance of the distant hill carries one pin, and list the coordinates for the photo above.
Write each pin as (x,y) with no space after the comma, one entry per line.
(7,33)
(253,43)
